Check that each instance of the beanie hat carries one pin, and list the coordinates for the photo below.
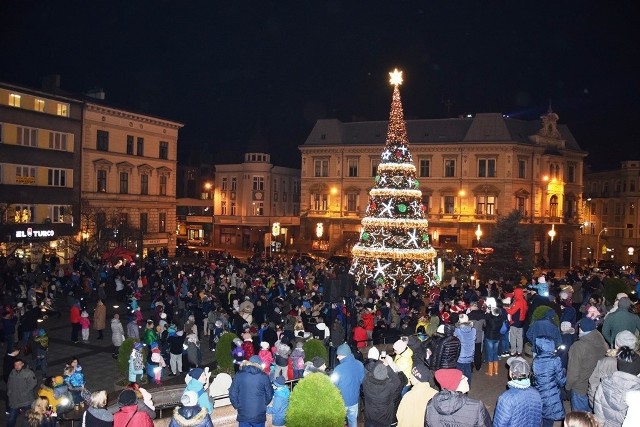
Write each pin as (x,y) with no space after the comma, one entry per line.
(343,350)
(195,373)
(127,398)
(587,325)
(399,346)
(264,345)
(237,341)
(449,379)
(624,303)
(621,295)
(256,360)
(189,398)
(163,315)
(138,346)
(84,314)
(628,361)
(626,339)
(317,361)
(463,318)
(279,381)
(518,367)
(373,353)
(380,372)
(440,330)
(565,326)
(218,324)
(421,372)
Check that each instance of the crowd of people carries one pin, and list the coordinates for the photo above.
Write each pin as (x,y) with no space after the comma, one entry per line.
(406,355)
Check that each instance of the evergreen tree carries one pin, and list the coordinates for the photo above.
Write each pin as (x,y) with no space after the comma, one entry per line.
(512,255)
(394,246)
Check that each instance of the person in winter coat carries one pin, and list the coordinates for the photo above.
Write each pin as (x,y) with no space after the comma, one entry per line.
(297,361)
(20,390)
(136,363)
(39,415)
(610,405)
(633,413)
(100,318)
(521,404)
(247,347)
(251,392)
(621,320)
(545,327)
(85,324)
(189,414)
(129,415)
(379,388)
(549,379)
(466,333)
(348,376)
(583,358)
(403,359)
(117,334)
(477,319)
(150,335)
(413,405)
(443,349)
(368,320)
(266,356)
(74,318)
(237,354)
(176,343)
(280,402)
(609,364)
(451,406)
(132,328)
(494,321)
(360,336)
(518,313)
(97,415)
(74,378)
(198,381)
(568,334)
(41,351)
(282,352)
(194,354)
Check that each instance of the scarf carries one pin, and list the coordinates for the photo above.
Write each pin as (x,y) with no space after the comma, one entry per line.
(520,384)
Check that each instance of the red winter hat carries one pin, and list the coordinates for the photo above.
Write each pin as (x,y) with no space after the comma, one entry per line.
(449,379)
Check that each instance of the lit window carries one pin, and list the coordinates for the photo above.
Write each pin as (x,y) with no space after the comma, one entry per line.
(449,204)
(24,213)
(101,181)
(25,175)
(14,100)
(63,110)
(353,167)
(223,208)
(258,209)
(57,213)
(162,222)
(38,105)
(485,205)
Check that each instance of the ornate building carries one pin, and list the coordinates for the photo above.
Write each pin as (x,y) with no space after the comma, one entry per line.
(470,169)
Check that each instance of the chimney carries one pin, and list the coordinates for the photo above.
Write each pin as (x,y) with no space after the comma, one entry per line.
(51,83)
(96,93)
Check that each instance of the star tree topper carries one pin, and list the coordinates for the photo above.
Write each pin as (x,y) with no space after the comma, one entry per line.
(395,77)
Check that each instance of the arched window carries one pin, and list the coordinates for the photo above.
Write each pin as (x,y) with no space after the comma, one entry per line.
(553,206)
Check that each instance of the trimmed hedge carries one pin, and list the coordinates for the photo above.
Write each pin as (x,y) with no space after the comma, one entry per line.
(613,286)
(316,401)
(313,348)
(539,312)
(223,351)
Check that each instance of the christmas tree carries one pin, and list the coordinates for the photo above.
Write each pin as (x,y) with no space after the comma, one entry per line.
(394,246)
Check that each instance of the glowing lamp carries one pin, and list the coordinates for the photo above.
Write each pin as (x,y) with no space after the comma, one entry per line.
(552,232)
(275,229)
(478,234)
(319,230)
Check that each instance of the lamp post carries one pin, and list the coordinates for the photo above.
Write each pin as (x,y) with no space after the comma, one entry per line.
(478,234)
(598,244)
(461,194)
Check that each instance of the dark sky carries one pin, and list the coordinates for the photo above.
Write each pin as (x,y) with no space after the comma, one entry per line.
(231,70)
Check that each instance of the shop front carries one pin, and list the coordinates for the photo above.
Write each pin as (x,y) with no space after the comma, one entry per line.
(35,243)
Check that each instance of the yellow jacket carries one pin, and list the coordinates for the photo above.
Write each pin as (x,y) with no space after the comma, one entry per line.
(414,405)
(404,361)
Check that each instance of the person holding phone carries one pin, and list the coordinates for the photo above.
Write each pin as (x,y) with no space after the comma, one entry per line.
(41,414)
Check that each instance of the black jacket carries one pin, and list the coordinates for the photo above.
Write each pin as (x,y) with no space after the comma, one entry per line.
(451,408)
(176,344)
(444,351)
(378,398)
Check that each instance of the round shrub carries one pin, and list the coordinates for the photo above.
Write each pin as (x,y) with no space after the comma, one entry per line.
(539,312)
(223,351)
(613,286)
(304,409)
(313,348)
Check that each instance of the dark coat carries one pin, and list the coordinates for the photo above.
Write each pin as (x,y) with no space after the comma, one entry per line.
(545,327)
(444,351)
(493,325)
(452,409)
(250,393)
(190,416)
(518,407)
(377,397)
(549,378)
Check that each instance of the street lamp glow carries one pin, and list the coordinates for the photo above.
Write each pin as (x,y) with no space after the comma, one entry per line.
(334,191)
(207,186)
(319,230)
(552,233)
(478,233)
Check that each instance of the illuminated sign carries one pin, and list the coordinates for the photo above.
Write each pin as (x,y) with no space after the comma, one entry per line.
(30,232)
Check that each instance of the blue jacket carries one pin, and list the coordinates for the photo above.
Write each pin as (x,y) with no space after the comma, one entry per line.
(280,405)
(348,376)
(203,399)
(518,407)
(250,393)
(545,327)
(467,336)
(549,378)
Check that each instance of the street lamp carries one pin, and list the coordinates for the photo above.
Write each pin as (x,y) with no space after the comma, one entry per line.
(552,233)
(478,234)
(598,244)
(461,194)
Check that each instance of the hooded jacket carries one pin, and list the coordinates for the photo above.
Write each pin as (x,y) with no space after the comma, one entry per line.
(549,378)
(583,357)
(250,393)
(378,398)
(190,416)
(610,405)
(545,327)
(348,376)
(280,405)
(21,387)
(414,405)
(117,332)
(518,407)
(203,399)
(130,416)
(444,350)
(455,409)
(621,320)
(518,309)
(605,367)
(466,333)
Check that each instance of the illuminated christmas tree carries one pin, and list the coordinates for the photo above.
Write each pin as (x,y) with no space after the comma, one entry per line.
(394,246)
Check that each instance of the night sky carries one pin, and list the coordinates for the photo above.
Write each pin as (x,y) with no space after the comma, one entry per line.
(233,70)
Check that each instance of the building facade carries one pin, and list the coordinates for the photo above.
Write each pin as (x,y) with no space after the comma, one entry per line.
(40,139)
(470,171)
(194,204)
(611,219)
(251,197)
(129,168)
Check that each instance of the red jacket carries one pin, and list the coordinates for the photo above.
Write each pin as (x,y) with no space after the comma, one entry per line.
(360,336)
(130,416)
(368,319)
(74,314)
(518,304)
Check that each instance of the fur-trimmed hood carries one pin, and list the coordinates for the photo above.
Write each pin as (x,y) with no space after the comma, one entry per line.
(189,416)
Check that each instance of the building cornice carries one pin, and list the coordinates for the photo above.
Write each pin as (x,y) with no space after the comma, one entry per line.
(123,114)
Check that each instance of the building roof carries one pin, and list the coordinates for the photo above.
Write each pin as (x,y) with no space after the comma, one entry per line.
(482,128)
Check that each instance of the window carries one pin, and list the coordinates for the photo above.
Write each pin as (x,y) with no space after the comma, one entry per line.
(425,168)
(320,202)
(163,185)
(25,213)
(223,208)
(124,182)
(25,175)
(234,183)
(38,105)
(27,137)
(101,179)
(632,208)
(258,208)
(632,185)
(571,173)
(321,167)
(102,140)
(130,144)
(485,205)
(233,208)
(163,151)
(140,147)
(486,168)
(58,141)
(296,188)
(223,186)
(521,205)
(14,100)
(553,206)
(124,218)
(275,186)
(57,177)
(144,184)
(258,183)
(449,204)
(426,201)
(374,166)
(449,168)
(144,222)
(522,168)
(618,186)
(351,202)
(63,110)
(162,222)
(57,213)
(352,165)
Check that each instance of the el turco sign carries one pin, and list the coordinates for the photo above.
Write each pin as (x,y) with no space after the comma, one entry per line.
(30,233)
